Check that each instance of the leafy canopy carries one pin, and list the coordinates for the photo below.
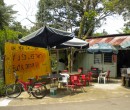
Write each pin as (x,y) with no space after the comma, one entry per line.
(87,15)
(6,14)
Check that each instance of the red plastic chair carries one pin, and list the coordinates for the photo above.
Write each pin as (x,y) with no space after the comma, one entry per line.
(89,75)
(80,70)
(95,71)
(108,75)
(75,83)
(86,78)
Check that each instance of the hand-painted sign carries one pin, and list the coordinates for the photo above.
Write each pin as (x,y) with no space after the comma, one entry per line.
(26,61)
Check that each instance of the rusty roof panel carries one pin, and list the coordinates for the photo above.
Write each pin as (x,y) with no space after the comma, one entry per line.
(127,38)
(117,41)
(109,39)
(112,40)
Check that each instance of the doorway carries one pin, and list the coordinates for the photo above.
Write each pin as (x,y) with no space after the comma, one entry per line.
(123,61)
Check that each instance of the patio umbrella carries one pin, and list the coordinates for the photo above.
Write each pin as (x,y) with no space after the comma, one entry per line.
(125,44)
(75,42)
(46,37)
(102,48)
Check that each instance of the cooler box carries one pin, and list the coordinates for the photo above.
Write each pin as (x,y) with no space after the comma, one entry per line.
(53,90)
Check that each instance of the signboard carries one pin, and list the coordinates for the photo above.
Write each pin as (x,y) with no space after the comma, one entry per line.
(26,61)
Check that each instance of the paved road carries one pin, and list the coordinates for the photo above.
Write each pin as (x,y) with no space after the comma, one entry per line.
(122,103)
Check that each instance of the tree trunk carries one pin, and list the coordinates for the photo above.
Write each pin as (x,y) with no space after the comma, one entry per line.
(81,27)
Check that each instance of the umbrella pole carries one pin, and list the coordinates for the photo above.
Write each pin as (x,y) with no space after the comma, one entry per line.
(48,48)
(102,61)
(49,51)
(71,58)
(57,51)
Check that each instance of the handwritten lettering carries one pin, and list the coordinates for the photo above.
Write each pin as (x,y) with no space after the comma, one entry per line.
(22,67)
(20,48)
(23,57)
(25,61)
(27,57)
(13,57)
(13,48)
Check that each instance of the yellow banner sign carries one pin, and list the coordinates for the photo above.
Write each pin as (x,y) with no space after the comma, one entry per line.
(26,61)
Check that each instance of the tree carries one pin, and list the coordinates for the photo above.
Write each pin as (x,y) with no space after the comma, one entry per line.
(10,30)
(126,29)
(94,13)
(6,17)
(56,13)
(85,14)
(101,34)
(6,13)
(11,36)
(125,12)
(16,26)
(12,33)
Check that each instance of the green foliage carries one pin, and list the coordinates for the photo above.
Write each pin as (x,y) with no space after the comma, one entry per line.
(90,14)
(110,5)
(95,12)
(12,33)
(126,30)
(16,26)
(53,62)
(6,13)
(100,34)
(86,14)
(124,10)
(2,85)
(8,32)
(56,13)
(7,35)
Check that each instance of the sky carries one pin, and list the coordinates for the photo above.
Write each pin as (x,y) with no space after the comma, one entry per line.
(28,9)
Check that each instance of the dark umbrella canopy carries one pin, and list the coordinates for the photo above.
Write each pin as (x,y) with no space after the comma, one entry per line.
(102,48)
(46,37)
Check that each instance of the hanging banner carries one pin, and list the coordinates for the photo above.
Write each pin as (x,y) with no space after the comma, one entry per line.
(27,61)
(114,58)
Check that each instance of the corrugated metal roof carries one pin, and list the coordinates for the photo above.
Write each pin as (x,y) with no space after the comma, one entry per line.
(116,41)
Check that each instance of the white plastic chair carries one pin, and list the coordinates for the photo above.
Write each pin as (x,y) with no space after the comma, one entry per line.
(64,79)
(103,76)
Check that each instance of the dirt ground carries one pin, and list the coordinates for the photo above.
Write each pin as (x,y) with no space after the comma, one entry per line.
(94,91)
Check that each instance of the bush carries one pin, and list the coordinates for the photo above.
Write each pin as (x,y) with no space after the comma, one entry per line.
(2,85)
